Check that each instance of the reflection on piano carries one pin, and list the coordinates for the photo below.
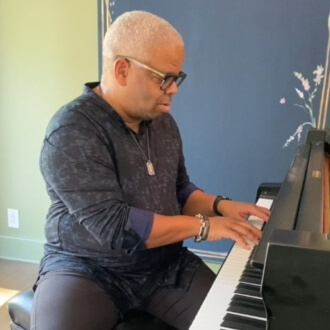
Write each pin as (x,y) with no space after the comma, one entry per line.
(281,284)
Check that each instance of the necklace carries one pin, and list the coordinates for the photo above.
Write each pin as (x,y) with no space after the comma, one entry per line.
(150,166)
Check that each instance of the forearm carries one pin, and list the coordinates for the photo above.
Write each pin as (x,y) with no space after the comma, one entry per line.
(199,202)
(171,229)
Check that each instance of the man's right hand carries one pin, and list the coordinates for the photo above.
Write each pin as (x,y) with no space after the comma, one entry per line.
(241,231)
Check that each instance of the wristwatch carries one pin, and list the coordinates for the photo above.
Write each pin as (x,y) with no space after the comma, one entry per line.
(216,203)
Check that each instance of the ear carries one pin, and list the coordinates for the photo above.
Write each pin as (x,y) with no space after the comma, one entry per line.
(121,71)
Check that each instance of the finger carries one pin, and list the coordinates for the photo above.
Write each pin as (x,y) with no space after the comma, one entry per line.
(251,233)
(251,228)
(265,210)
(240,240)
(261,213)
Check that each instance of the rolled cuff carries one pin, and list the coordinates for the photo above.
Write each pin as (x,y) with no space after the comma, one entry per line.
(140,221)
(185,193)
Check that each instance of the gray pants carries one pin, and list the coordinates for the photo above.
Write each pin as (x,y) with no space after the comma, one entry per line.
(66,301)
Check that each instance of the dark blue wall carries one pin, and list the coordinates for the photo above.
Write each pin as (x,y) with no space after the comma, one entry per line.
(240,59)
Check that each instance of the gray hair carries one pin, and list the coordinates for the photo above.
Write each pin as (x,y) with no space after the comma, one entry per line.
(134,34)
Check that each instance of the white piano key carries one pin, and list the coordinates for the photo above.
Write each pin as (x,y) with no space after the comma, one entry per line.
(214,307)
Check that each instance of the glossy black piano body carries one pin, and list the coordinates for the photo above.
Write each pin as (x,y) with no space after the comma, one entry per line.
(294,253)
(283,283)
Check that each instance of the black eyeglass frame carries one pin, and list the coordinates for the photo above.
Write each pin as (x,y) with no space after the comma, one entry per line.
(167,78)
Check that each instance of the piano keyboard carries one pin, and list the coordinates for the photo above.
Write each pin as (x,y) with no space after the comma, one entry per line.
(234,300)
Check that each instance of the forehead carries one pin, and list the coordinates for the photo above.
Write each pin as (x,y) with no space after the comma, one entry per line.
(167,58)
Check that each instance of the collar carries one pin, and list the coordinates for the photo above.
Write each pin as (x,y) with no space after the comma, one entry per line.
(88,90)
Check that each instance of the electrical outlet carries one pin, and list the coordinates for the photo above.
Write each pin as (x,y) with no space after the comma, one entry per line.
(13,218)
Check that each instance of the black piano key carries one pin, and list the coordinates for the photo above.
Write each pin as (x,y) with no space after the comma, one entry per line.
(247,310)
(250,279)
(247,289)
(249,267)
(247,306)
(248,300)
(238,322)
(251,272)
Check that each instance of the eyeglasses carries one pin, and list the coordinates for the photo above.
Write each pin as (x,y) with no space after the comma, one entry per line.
(167,78)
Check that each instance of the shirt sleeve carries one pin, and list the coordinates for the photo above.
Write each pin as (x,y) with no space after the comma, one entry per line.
(184,193)
(80,174)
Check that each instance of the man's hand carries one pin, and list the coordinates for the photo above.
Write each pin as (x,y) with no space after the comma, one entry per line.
(240,231)
(241,210)
(233,224)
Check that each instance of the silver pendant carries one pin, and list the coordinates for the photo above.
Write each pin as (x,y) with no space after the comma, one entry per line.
(150,168)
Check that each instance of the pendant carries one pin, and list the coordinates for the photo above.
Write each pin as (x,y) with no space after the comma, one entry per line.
(150,168)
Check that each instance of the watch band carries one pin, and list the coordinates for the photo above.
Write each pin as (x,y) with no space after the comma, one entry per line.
(216,203)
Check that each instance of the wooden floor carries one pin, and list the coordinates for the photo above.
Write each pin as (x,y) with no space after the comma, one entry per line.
(15,275)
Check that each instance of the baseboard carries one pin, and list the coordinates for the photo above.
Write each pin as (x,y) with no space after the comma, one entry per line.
(21,249)
(28,250)
(213,259)
(211,256)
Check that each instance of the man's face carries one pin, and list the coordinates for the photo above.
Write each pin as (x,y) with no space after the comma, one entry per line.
(145,98)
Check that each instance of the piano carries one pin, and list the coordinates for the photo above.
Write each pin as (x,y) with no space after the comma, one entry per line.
(282,283)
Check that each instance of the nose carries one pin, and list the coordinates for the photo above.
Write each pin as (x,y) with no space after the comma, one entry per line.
(172,89)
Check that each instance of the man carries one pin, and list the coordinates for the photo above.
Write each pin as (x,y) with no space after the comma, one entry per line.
(121,199)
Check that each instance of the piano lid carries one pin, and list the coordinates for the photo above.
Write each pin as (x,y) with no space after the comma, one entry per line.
(287,205)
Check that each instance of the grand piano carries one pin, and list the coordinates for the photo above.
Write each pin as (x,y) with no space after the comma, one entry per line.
(284,282)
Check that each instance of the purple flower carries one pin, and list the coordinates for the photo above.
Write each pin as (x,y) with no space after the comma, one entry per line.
(306,85)
(318,74)
(300,93)
(306,103)
(290,139)
(299,131)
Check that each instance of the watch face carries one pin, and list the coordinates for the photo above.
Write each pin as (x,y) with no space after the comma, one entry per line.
(224,197)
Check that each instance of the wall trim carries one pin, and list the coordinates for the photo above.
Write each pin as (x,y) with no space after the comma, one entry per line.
(21,249)
(31,250)
(211,256)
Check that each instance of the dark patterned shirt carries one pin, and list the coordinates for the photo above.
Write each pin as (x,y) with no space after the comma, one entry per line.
(103,200)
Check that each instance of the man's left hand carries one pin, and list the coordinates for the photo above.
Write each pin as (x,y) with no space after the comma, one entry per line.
(242,210)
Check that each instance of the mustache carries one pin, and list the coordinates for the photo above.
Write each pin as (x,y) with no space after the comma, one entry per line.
(167,100)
